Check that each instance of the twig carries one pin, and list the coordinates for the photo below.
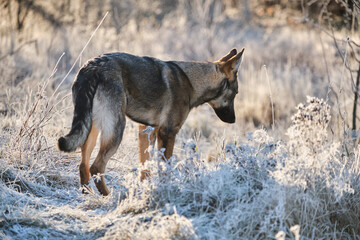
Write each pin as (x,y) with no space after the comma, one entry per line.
(78,57)
(18,49)
(354,52)
(271,99)
(342,78)
(332,35)
(356,94)
(343,69)
(49,108)
(356,4)
(30,113)
(327,71)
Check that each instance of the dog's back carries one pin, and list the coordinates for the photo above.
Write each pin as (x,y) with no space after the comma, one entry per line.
(148,84)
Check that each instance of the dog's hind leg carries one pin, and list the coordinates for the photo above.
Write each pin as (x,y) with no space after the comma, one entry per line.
(108,148)
(86,151)
(144,144)
(109,116)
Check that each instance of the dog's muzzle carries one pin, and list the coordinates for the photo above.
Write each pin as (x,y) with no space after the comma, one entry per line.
(226,114)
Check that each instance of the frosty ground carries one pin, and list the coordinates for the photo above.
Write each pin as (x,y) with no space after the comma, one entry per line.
(253,189)
(289,167)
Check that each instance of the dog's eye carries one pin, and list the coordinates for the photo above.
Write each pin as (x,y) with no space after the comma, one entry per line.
(225,86)
(226,83)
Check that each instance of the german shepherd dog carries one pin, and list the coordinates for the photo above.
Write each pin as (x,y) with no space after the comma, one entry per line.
(149,91)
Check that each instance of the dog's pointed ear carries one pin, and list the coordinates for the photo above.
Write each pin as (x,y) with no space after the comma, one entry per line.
(231,66)
(228,56)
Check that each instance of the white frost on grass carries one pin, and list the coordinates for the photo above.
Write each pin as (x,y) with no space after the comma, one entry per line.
(256,189)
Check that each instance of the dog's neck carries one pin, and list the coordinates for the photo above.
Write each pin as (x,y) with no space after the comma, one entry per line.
(204,78)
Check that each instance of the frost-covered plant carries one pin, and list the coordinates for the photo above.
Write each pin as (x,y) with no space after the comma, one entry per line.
(309,130)
(313,160)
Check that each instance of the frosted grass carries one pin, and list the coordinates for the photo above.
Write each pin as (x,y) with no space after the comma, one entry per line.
(255,189)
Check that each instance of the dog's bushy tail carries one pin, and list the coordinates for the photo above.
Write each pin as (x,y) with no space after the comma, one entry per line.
(83,90)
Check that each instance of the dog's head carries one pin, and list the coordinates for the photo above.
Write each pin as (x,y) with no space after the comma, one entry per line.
(223,103)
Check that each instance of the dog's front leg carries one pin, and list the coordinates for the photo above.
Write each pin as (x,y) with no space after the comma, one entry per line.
(144,143)
(166,139)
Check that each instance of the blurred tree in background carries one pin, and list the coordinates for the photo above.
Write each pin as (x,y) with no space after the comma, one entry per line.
(34,33)
(341,13)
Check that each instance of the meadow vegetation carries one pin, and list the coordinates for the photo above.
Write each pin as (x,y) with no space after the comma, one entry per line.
(288,168)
